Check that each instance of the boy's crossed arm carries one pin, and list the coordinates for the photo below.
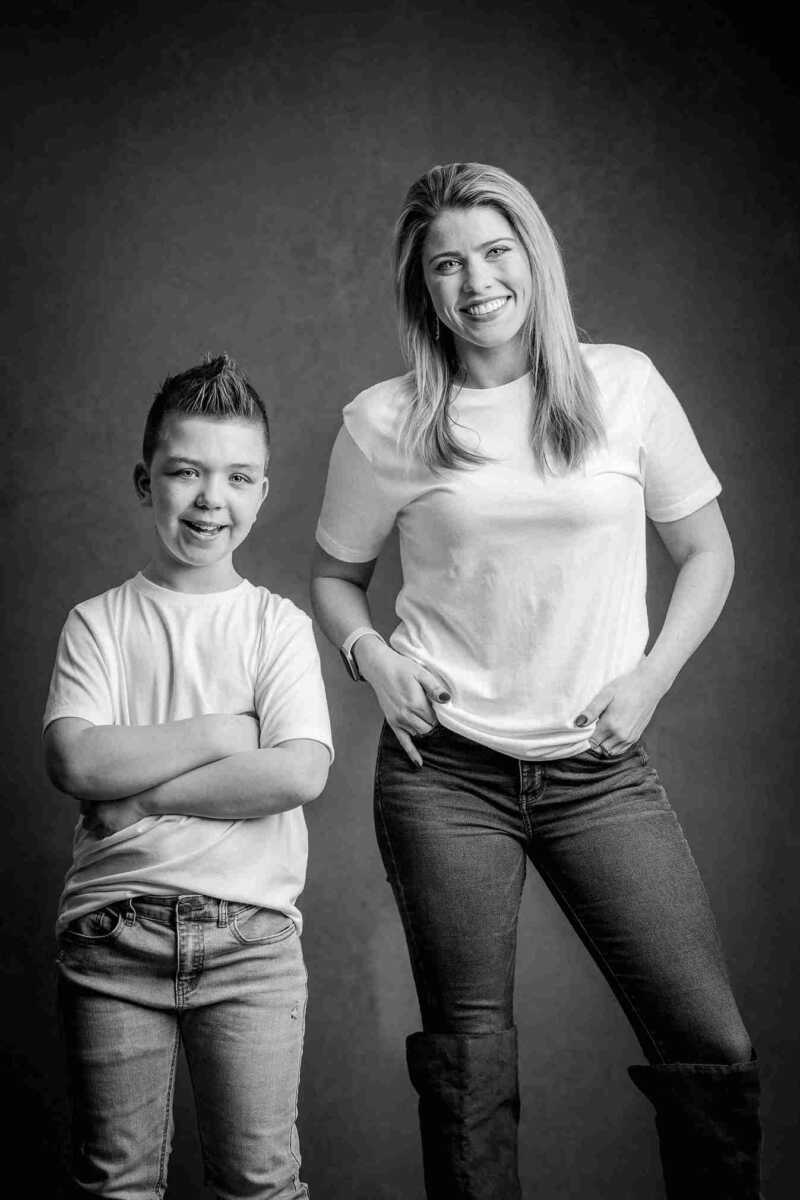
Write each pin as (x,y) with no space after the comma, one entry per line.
(111,762)
(208,766)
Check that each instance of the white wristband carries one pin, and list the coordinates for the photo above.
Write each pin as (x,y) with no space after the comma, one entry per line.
(346,649)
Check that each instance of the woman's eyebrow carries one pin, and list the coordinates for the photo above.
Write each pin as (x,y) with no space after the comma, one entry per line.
(504,237)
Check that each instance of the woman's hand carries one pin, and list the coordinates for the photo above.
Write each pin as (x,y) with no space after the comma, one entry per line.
(623,709)
(110,816)
(404,689)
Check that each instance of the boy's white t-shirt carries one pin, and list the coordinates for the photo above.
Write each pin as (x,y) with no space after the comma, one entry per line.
(523,591)
(141,654)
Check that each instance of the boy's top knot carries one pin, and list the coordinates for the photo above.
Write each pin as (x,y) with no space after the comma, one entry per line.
(221,388)
(217,387)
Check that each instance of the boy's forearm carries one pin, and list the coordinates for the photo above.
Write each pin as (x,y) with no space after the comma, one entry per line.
(254,783)
(111,762)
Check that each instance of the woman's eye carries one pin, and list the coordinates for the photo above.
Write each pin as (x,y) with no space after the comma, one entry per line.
(446,265)
(498,250)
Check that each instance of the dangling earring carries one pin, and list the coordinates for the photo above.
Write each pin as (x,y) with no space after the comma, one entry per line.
(435,327)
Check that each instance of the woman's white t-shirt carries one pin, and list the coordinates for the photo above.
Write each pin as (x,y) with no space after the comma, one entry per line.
(523,591)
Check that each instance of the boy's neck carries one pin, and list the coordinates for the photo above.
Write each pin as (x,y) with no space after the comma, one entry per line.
(221,577)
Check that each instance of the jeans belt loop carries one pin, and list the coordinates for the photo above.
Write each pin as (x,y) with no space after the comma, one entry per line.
(222,917)
(130,915)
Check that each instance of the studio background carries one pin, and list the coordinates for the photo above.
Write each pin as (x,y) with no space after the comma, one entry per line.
(225,177)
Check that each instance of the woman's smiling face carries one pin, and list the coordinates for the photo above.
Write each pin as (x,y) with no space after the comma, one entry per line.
(479,279)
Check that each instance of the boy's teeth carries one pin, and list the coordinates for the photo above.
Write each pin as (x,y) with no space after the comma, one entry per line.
(479,310)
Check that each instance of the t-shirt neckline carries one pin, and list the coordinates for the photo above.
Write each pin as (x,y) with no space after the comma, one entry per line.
(512,385)
(143,584)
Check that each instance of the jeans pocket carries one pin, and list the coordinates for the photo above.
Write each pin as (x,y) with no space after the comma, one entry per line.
(101,925)
(424,737)
(251,925)
(602,756)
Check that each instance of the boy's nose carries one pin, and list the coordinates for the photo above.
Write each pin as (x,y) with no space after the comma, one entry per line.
(208,499)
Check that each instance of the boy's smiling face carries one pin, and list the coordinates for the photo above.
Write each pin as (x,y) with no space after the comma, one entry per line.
(205,484)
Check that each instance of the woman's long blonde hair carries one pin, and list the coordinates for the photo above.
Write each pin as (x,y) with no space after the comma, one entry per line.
(566,419)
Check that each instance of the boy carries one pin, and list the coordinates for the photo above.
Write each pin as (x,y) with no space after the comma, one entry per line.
(187,713)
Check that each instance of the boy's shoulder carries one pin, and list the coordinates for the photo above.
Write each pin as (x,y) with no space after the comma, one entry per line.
(249,610)
(271,606)
(104,604)
(281,628)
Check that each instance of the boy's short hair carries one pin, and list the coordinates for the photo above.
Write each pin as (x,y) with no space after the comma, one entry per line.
(216,388)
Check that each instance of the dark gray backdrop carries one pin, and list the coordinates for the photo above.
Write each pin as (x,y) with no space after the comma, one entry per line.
(226,178)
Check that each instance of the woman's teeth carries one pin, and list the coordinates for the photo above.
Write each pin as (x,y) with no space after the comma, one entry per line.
(486,306)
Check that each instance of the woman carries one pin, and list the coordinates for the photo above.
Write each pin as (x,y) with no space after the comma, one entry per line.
(519,466)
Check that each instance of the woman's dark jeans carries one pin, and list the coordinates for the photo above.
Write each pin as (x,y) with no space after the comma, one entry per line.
(456,835)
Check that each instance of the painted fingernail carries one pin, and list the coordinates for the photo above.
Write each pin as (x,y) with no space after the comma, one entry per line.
(443,696)
(581,721)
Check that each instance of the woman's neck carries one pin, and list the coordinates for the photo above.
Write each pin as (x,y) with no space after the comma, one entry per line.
(491,367)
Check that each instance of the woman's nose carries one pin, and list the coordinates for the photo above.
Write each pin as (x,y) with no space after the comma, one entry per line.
(477,276)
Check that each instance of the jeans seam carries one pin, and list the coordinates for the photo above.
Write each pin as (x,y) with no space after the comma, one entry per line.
(523,798)
(522,805)
(161,1182)
(397,885)
(616,986)
(296,1107)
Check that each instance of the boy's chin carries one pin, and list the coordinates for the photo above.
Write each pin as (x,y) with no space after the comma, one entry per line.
(196,568)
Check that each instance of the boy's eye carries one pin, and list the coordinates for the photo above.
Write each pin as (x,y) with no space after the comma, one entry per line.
(241,478)
(185,472)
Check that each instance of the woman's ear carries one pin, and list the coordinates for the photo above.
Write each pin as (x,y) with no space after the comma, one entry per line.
(141,482)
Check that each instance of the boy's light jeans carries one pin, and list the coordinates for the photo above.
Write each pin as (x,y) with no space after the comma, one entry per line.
(228,981)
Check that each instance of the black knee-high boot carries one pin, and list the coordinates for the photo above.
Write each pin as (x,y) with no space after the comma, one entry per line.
(468,1113)
(708,1128)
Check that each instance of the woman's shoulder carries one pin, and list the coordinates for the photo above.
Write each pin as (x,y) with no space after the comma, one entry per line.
(621,374)
(614,363)
(382,402)
(375,417)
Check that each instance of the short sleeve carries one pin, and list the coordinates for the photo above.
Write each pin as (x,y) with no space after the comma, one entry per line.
(357,514)
(677,477)
(289,694)
(80,684)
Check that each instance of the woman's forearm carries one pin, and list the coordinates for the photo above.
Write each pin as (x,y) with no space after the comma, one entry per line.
(701,588)
(340,606)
